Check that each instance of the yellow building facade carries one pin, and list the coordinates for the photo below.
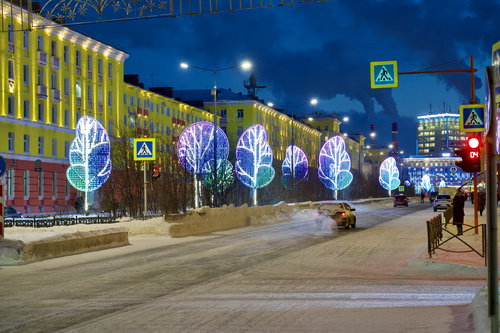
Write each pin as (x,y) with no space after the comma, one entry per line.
(237,116)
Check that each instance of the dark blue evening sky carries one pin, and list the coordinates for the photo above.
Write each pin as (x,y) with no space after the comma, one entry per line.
(323,50)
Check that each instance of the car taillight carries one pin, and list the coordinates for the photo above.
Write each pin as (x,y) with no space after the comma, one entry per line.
(343,213)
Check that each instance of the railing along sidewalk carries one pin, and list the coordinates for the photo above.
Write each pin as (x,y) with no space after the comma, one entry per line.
(435,238)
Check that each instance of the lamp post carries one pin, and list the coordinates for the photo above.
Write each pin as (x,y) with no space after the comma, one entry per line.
(313,101)
(246,65)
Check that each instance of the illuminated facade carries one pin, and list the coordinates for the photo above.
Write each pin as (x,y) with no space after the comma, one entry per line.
(52,77)
(438,134)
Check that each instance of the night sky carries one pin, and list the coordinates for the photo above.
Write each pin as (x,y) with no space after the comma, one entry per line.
(323,50)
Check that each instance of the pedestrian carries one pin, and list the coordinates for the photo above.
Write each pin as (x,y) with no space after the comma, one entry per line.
(458,211)
(422,196)
(481,202)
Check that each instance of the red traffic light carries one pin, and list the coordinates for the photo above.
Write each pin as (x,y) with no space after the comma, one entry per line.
(473,143)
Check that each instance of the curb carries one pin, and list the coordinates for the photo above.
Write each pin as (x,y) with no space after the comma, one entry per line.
(15,252)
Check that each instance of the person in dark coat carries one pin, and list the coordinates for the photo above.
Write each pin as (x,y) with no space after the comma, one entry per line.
(458,210)
(481,202)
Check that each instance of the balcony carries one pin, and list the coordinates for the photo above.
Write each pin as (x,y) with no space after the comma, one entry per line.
(78,70)
(223,120)
(56,95)
(89,104)
(99,107)
(139,111)
(42,58)
(146,112)
(42,91)
(56,62)
(89,74)
(99,77)
(11,47)
(78,101)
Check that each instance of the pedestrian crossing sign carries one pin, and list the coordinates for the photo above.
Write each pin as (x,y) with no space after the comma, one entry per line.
(384,74)
(472,118)
(144,149)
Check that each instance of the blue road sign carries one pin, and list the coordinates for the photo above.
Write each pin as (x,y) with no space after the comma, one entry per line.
(384,74)
(472,118)
(3,166)
(144,150)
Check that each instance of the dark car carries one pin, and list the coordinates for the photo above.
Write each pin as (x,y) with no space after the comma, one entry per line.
(400,200)
(10,212)
(432,196)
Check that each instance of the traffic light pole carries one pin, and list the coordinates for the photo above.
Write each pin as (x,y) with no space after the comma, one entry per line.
(491,202)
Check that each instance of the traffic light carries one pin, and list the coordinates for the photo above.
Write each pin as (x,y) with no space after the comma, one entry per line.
(471,157)
(156,172)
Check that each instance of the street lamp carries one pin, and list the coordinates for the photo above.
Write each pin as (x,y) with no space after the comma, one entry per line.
(246,65)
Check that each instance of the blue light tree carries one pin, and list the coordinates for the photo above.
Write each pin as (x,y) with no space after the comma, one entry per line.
(254,159)
(389,174)
(196,153)
(295,167)
(89,157)
(334,165)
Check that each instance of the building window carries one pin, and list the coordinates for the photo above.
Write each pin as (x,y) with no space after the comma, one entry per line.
(54,185)
(66,86)
(239,114)
(53,50)
(10,34)
(99,66)
(10,183)
(66,54)
(26,74)
(26,39)
(54,115)
(11,142)
(66,149)
(41,141)
(40,184)
(110,70)
(125,99)
(223,113)
(41,78)
(78,89)
(89,62)
(41,112)
(54,147)
(99,96)
(66,117)
(10,106)
(10,69)
(40,43)
(131,100)
(67,188)
(110,99)
(239,131)
(26,109)
(26,184)
(26,144)
(78,59)
(89,93)
(53,81)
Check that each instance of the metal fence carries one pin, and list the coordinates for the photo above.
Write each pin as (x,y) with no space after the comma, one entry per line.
(44,222)
(435,238)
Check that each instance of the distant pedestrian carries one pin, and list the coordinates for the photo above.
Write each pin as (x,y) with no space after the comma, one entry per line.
(458,211)
(422,197)
(481,202)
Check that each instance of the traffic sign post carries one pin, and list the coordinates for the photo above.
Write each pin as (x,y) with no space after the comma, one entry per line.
(472,118)
(145,150)
(384,74)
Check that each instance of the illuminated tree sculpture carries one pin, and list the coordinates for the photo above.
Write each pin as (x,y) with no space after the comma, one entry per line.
(89,156)
(389,174)
(225,175)
(334,165)
(196,153)
(295,167)
(254,159)
(426,183)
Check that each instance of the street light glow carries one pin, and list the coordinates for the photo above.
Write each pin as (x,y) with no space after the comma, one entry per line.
(345,119)
(310,119)
(314,101)
(372,134)
(184,65)
(270,104)
(246,65)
